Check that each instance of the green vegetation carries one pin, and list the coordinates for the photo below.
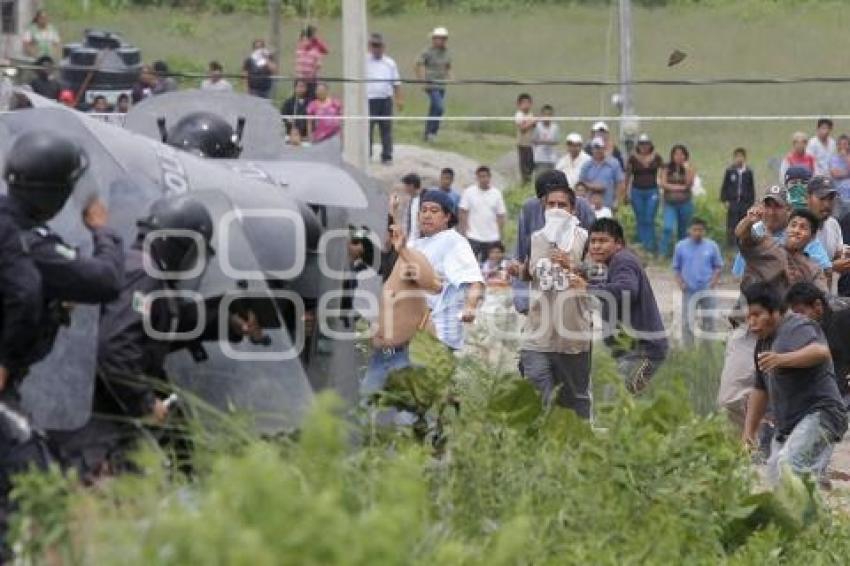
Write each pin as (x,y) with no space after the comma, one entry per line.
(652,483)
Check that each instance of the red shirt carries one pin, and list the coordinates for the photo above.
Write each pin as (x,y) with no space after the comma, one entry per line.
(308,58)
(794,159)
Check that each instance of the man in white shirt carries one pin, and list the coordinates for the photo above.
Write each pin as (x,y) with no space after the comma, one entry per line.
(454,263)
(574,160)
(822,195)
(408,212)
(482,214)
(822,147)
(383,88)
(214,81)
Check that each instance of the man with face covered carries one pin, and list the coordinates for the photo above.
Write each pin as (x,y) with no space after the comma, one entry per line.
(556,338)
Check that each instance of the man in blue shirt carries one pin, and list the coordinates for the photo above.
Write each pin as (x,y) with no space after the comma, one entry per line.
(697,263)
(603,175)
(447,180)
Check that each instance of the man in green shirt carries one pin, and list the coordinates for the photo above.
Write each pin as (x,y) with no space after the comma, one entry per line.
(435,65)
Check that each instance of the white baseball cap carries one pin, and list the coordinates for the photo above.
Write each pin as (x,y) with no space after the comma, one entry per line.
(574,137)
(440,32)
(600,127)
(597,142)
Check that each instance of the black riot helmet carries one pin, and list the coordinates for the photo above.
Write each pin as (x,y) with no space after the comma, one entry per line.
(41,169)
(206,135)
(175,227)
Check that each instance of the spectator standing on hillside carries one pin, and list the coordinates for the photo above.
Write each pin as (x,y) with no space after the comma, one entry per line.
(40,38)
(575,158)
(697,263)
(144,87)
(446,184)
(601,130)
(44,83)
(738,192)
(258,69)
(807,300)
(822,146)
(603,175)
(382,90)
(545,139)
(797,157)
(636,334)
(482,214)
(677,181)
(839,170)
(296,105)
(794,373)
(309,53)
(215,82)
(525,123)
(407,212)
(435,65)
(327,111)
(556,337)
(642,187)
(164,81)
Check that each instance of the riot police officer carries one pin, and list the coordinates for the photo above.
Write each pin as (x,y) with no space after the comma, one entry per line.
(206,135)
(138,332)
(41,171)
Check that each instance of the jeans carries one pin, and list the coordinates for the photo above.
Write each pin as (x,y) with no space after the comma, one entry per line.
(436,108)
(645,205)
(692,319)
(381,364)
(678,217)
(806,450)
(560,378)
(381,107)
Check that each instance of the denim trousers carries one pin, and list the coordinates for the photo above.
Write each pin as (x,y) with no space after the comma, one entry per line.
(436,108)
(692,319)
(381,108)
(381,364)
(806,450)
(645,205)
(677,217)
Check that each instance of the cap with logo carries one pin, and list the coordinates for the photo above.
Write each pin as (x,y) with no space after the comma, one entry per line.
(597,143)
(777,194)
(600,127)
(574,138)
(440,32)
(376,39)
(644,138)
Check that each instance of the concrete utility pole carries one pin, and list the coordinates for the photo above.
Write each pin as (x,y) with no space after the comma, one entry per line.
(355,144)
(274,29)
(629,124)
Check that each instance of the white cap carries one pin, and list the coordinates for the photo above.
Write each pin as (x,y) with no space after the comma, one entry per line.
(574,137)
(597,142)
(600,127)
(440,32)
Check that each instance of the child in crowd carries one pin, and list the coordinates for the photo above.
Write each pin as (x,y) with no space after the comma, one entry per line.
(495,267)
(545,141)
(597,201)
(525,123)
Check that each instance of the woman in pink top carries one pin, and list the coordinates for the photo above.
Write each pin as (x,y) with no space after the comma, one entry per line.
(327,111)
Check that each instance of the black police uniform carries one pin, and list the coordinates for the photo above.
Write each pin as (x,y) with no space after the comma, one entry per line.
(20,290)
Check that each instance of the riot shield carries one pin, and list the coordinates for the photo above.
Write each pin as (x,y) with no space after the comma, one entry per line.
(265,381)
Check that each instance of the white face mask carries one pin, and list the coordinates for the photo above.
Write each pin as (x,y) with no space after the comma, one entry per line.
(558,227)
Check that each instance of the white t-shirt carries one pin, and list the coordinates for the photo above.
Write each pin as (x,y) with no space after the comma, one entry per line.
(546,152)
(603,212)
(831,238)
(821,153)
(483,208)
(413,218)
(221,85)
(384,69)
(452,259)
(572,167)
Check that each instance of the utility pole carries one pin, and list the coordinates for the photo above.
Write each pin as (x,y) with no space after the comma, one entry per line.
(355,133)
(629,124)
(274,34)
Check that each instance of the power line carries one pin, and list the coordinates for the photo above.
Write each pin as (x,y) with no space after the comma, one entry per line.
(720,81)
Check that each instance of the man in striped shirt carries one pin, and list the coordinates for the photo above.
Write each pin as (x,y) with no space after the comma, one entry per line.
(308,59)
